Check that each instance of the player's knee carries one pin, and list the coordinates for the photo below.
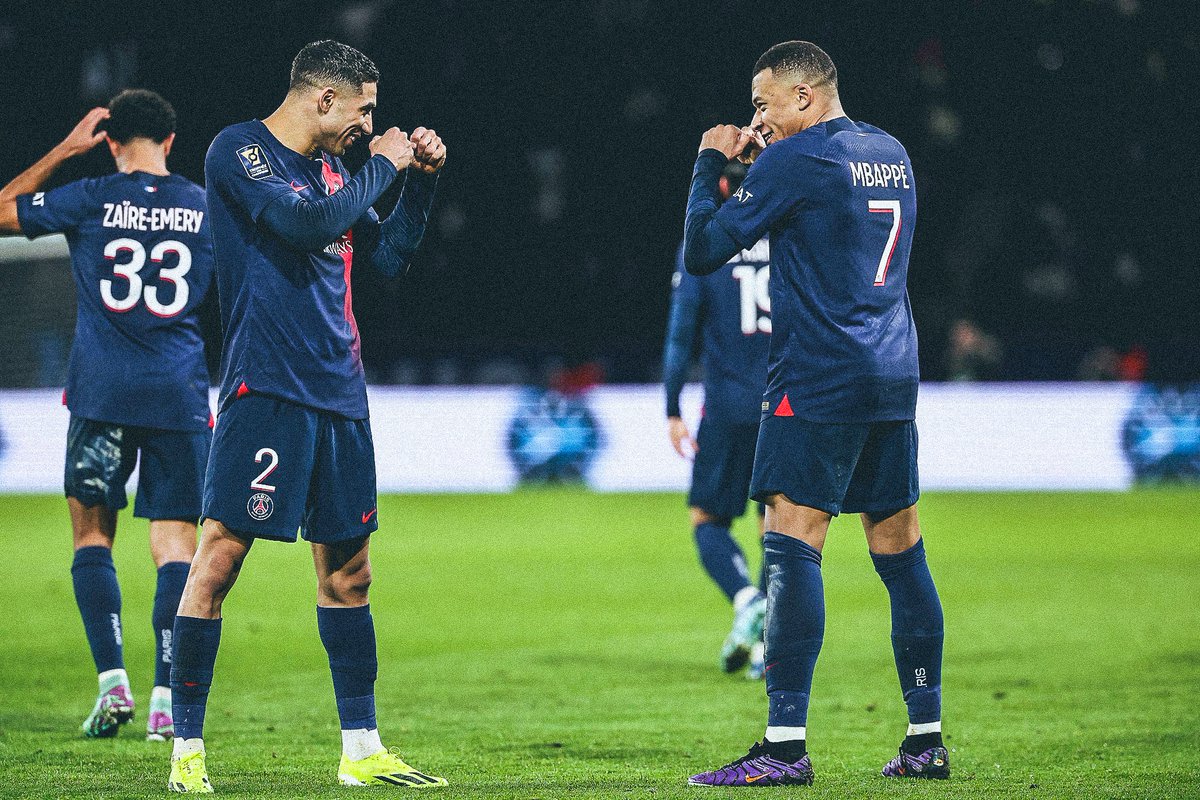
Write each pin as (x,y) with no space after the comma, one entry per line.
(348,586)
(701,517)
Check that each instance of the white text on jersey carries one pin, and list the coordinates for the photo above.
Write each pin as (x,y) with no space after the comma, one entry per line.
(872,173)
(139,218)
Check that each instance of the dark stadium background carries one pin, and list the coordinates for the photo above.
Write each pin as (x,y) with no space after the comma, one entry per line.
(1053,144)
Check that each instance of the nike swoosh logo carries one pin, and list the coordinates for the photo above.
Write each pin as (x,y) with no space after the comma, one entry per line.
(753,778)
(297,186)
(367,516)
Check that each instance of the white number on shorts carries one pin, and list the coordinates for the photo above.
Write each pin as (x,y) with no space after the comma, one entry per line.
(137,291)
(257,483)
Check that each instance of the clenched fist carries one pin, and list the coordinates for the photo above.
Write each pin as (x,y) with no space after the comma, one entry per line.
(395,146)
(429,154)
(729,139)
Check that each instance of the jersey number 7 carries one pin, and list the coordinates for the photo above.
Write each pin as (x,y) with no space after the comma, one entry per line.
(885,206)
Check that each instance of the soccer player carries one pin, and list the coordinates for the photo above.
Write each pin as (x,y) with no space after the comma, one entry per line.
(731,310)
(292,447)
(137,384)
(837,432)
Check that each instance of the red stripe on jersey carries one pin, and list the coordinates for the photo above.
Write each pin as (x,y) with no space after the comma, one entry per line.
(333,182)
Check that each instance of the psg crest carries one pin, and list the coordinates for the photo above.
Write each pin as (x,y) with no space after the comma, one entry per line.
(260,506)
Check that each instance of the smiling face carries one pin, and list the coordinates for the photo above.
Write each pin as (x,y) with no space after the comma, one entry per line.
(346,117)
(779,105)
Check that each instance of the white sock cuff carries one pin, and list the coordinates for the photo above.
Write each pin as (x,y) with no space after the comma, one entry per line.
(358,743)
(785,733)
(160,693)
(745,596)
(183,747)
(916,729)
(110,674)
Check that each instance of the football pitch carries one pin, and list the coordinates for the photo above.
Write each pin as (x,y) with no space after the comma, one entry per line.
(559,643)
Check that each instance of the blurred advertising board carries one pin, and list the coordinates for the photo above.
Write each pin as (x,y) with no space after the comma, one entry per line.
(613,438)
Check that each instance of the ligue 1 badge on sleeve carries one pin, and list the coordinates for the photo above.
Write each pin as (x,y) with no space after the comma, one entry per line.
(255,161)
(260,506)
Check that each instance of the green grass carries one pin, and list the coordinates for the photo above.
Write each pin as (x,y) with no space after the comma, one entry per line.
(553,644)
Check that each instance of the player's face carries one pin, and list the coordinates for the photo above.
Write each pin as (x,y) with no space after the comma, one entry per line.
(349,119)
(778,110)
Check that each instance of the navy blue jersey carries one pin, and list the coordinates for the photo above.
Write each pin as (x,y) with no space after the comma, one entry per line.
(732,310)
(142,259)
(840,202)
(289,326)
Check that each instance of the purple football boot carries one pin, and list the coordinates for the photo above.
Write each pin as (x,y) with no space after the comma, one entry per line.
(758,768)
(933,763)
(113,709)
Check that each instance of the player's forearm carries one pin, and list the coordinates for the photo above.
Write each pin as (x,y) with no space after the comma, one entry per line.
(31,180)
(707,246)
(313,225)
(401,233)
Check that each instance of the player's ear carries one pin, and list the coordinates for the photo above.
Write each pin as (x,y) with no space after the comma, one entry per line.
(167,142)
(804,95)
(325,100)
(114,146)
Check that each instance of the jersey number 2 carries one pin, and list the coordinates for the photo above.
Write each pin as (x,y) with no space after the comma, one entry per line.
(883,207)
(137,291)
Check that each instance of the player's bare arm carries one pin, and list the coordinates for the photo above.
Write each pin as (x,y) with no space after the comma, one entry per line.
(429,153)
(80,140)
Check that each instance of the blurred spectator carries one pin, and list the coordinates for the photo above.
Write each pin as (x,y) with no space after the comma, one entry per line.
(972,355)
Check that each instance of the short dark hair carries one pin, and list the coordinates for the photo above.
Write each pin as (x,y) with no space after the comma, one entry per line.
(799,58)
(139,114)
(327,62)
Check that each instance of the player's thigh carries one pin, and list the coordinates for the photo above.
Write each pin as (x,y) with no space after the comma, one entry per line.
(171,476)
(809,463)
(343,503)
(260,467)
(885,478)
(99,460)
(722,468)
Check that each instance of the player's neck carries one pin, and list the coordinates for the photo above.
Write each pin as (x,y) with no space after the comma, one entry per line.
(290,126)
(830,109)
(142,157)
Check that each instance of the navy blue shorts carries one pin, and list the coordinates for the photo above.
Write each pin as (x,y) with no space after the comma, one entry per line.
(722,469)
(277,467)
(867,467)
(101,457)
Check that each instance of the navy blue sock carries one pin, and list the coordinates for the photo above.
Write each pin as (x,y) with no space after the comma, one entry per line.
(723,560)
(99,599)
(917,631)
(795,626)
(171,578)
(195,642)
(349,638)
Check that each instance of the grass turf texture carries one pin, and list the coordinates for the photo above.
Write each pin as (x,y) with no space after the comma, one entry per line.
(564,644)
